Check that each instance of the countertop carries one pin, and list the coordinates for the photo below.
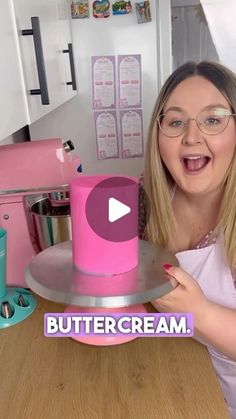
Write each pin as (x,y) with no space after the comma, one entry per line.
(148,378)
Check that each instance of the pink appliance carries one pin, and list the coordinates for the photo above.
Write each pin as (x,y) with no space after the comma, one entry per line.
(28,168)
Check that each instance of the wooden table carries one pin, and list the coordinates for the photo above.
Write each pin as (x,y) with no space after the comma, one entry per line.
(148,378)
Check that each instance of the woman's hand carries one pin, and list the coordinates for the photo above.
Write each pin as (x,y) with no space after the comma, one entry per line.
(186,297)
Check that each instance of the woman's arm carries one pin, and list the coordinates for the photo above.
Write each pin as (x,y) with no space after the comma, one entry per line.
(215,324)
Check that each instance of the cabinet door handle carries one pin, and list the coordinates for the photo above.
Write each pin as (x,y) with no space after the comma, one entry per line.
(72,67)
(38,48)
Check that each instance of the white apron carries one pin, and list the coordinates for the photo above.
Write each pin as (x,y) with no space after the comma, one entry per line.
(209,268)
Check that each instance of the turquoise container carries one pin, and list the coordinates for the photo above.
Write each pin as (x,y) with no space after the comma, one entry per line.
(3,243)
(11,297)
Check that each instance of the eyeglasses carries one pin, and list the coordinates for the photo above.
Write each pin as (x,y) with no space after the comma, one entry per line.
(211,121)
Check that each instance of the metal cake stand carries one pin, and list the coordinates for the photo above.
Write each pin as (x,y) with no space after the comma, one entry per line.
(52,275)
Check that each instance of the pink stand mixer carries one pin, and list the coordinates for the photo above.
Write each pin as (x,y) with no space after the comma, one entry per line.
(29,169)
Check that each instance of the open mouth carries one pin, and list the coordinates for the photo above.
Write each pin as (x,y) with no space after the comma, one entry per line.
(194,164)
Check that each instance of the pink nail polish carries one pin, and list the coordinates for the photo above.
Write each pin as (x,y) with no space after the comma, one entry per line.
(167,266)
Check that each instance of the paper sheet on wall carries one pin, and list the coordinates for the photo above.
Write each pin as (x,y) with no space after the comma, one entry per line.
(106,135)
(103,75)
(129,81)
(221,18)
(131,133)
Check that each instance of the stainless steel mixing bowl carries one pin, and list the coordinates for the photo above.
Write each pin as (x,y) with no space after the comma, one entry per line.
(52,224)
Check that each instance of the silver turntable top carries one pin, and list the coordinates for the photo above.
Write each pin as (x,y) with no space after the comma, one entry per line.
(52,275)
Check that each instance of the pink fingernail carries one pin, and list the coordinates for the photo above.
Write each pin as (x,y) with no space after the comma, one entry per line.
(167,266)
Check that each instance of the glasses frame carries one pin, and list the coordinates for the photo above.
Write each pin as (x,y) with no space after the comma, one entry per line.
(187,122)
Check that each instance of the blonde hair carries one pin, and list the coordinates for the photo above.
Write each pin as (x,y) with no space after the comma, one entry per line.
(161,225)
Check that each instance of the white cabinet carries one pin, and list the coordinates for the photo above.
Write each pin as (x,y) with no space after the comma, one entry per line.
(46,67)
(13,107)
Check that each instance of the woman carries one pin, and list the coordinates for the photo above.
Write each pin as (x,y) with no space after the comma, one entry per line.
(190,182)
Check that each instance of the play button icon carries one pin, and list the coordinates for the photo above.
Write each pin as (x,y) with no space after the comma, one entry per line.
(117,210)
(112,208)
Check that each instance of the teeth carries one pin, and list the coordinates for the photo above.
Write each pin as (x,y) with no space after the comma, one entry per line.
(194,157)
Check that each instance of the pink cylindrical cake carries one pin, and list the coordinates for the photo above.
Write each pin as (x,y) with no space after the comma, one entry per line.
(104,216)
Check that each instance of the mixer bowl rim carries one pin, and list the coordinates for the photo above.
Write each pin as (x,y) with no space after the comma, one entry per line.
(51,216)
(43,198)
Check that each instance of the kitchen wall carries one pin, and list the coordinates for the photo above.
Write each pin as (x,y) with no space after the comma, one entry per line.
(74,120)
(191,40)
(67,122)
